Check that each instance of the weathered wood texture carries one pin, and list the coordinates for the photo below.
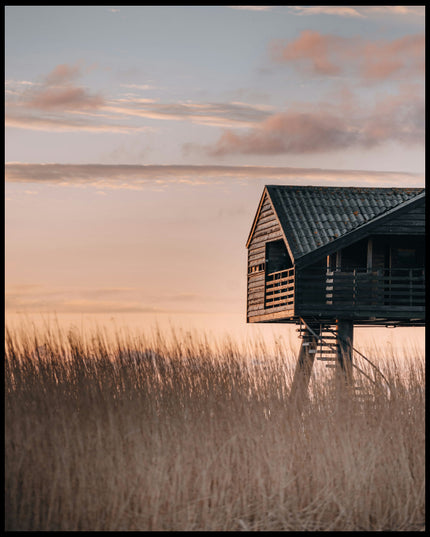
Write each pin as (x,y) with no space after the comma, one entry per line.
(280,289)
(303,370)
(372,289)
(267,228)
(345,340)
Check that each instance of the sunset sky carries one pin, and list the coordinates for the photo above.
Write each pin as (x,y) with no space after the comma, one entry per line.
(139,139)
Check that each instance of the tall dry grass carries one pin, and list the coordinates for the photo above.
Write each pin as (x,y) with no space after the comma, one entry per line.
(147,434)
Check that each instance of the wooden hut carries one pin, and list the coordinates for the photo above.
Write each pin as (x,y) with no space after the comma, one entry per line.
(334,257)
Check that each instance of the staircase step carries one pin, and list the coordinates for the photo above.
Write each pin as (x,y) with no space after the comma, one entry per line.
(333,359)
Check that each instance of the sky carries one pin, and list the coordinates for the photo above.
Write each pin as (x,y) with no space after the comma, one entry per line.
(138,140)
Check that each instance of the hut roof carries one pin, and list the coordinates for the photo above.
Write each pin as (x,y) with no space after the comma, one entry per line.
(314,217)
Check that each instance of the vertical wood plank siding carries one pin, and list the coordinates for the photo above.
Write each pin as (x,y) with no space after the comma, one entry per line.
(267,229)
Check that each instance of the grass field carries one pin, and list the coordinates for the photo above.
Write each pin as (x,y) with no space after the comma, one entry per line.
(181,433)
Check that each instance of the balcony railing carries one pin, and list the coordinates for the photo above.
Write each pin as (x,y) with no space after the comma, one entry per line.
(279,290)
(385,287)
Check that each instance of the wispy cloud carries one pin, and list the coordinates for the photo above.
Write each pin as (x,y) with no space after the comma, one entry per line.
(71,301)
(377,60)
(32,298)
(211,114)
(54,123)
(394,10)
(357,11)
(140,176)
(252,8)
(55,103)
(59,91)
(138,86)
(342,11)
(323,128)
(51,104)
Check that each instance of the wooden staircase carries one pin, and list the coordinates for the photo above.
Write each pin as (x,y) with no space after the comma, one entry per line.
(328,350)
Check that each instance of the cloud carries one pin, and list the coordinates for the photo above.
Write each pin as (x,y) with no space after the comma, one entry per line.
(210,114)
(54,103)
(252,8)
(39,298)
(324,128)
(73,98)
(141,176)
(32,298)
(357,11)
(57,123)
(58,91)
(290,133)
(395,10)
(386,59)
(311,49)
(377,60)
(138,86)
(342,11)
(63,74)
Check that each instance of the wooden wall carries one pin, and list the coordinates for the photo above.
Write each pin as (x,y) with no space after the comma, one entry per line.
(310,289)
(267,229)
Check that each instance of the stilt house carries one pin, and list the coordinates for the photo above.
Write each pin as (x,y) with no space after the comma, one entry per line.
(330,258)
(329,253)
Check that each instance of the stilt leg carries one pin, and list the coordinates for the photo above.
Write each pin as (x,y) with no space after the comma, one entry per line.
(345,338)
(302,373)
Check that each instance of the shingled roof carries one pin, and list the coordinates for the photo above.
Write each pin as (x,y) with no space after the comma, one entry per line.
(312,217)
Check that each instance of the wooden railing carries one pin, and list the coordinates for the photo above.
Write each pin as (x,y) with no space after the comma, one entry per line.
(279,290)
(384,287)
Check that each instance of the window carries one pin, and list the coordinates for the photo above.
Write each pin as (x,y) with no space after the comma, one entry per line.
(257,268)
(277,257)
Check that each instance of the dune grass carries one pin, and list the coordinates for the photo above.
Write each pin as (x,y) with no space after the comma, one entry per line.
(149,433)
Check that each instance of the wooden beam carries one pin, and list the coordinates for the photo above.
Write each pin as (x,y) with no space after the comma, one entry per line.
(302,373)
(369,255)
(345,340)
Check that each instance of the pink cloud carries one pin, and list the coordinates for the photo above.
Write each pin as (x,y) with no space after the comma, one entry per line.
(63,74)
(291,132)
(371,60)
(66,124)
(312,48)
(58,91)
(139,176)
(384,59)
(69,97)
(322,128)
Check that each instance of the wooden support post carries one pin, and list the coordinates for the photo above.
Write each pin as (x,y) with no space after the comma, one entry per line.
(345,340)
(302,373)
(369,255)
